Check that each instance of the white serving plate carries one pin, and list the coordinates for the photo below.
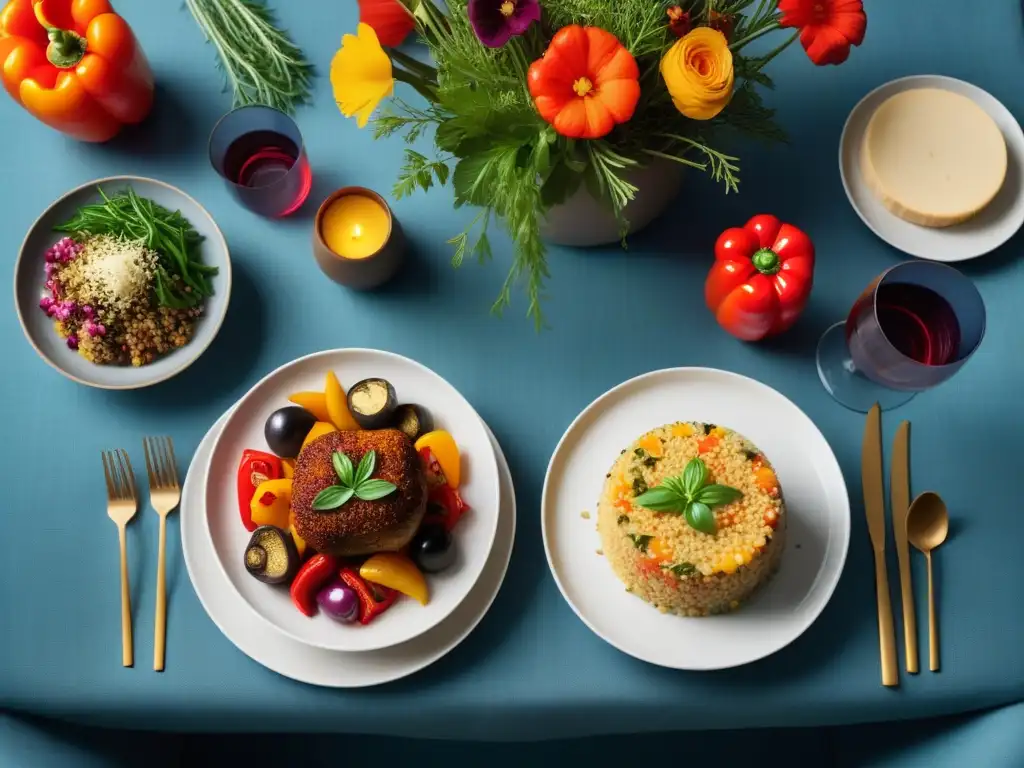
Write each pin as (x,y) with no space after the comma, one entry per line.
(817,504)
(992,227)
(317,666)
(479,486)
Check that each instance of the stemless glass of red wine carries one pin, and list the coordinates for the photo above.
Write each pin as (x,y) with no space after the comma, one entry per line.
(912,328)
(258,151)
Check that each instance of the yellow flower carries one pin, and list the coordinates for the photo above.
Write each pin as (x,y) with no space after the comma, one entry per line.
(361,74)
(698,73)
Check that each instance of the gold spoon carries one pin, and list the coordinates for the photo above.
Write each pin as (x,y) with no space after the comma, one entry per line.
(927,526)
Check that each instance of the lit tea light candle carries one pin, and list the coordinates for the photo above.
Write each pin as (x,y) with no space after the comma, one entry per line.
(355,226)
(356,240)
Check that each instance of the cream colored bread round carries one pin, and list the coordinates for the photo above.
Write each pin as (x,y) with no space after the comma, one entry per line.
(933,157)
(663,560)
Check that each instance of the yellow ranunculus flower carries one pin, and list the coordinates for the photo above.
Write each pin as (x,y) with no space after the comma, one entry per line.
(361,74)
(698,73)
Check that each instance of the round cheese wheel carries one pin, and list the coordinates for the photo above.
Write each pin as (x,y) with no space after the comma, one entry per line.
(933,157)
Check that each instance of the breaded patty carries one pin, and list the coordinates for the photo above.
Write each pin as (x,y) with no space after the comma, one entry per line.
(360,527)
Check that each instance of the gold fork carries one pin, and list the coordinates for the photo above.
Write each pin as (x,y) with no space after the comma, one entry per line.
(164,495)
(121,507)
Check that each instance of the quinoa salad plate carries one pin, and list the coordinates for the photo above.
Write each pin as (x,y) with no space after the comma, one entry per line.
(695,519)
(122,282)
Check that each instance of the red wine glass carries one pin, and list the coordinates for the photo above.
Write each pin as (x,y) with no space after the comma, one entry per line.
(912,328)
(258,151)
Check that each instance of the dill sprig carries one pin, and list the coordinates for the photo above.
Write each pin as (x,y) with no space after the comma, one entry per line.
(261,63)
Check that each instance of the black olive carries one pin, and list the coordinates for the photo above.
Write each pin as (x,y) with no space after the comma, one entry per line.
(433,549)
(708,428)
(271,556)
(286,428)
(373,403)
(413,420)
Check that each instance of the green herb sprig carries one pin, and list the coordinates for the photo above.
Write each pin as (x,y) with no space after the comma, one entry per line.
(262,64)
(690,495)
(353,481)
(167,233)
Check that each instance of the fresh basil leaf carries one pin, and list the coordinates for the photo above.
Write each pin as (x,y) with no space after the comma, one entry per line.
(332,497)
(694,476)
(675,484)
(700,517)
(713,495)
(371,490)
(640,541)
(343,467)
(659,499)
(366,466)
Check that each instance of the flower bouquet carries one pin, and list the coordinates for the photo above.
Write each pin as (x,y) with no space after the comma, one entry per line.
(530,100)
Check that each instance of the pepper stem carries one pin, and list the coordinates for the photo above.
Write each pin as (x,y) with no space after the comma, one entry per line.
(66,48)
(766,261)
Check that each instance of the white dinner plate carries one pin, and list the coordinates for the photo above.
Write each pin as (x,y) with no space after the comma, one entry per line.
(818,513)
(317,666)
(992,227)
(479,487)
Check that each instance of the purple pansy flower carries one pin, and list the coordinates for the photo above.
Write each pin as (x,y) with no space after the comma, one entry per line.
(495,21)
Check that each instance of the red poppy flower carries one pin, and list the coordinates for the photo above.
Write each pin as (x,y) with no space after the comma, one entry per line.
(389,19)
(827,27)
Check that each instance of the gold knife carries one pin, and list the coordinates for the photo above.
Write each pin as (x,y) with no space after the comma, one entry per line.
(899,496)
(874,509)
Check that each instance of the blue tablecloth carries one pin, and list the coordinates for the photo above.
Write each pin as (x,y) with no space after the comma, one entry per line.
(531,670)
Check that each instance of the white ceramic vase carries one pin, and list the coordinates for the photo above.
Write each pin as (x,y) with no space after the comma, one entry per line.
(583,221)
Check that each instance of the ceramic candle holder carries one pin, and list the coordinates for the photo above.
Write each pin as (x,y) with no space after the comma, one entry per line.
(367,272)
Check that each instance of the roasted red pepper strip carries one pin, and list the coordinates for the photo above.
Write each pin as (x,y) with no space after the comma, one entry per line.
(446,505)
(317,571)
(761,279)
(255,467)
(373,598)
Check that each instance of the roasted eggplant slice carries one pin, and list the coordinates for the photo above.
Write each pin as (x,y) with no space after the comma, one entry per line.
(373,403)
(413,420)
(271,556)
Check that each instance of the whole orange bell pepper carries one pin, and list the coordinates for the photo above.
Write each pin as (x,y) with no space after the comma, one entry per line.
(761,279)
(74,65)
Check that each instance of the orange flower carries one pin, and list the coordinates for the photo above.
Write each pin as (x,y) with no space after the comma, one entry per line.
(586,82)
(827,27)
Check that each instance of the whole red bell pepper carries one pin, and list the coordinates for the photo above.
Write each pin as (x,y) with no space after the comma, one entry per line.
(761,279)
(316,572)
(255,467)
(74,65)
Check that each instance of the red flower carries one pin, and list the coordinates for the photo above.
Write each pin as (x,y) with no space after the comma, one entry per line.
(389,20)
(679,21)
(827,27)
(723,22)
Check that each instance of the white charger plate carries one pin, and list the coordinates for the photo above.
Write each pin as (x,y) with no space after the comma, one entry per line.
(817,505)
(317,666)
(479,487)
(992,227)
